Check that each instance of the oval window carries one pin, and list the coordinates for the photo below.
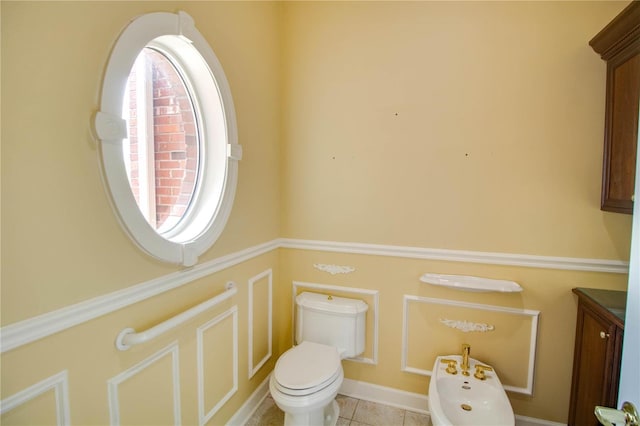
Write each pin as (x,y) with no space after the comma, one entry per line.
(168,137)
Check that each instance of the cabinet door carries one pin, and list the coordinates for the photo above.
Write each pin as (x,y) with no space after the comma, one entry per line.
(621,133)
(592,376)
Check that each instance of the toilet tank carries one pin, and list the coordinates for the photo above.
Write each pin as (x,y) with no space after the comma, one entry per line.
(333,321)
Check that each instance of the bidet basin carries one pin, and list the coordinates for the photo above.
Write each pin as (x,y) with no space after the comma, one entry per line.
(458,400)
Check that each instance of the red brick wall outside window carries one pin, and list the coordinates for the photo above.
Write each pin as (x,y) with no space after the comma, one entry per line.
(175,140)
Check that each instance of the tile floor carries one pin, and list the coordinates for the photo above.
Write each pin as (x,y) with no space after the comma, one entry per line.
(353,412)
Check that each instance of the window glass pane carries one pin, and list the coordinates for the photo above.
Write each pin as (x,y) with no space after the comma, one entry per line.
(162,152)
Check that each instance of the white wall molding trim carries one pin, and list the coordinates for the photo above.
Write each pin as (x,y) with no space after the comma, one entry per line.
(490,258)
(113,383)
(204,415)
(355,291)
(532,314)
(59,383)
(15,335)
(268,274)
(251,405)
(23,332)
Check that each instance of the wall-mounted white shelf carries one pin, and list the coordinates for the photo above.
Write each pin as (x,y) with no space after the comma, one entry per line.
(469,283)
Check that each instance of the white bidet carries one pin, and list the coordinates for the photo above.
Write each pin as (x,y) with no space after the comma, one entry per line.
(474,400)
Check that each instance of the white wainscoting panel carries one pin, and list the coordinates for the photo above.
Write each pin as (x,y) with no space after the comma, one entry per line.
(209,379)
(114,383)
(355,292)
(531,314)
(268,324)
(58,383)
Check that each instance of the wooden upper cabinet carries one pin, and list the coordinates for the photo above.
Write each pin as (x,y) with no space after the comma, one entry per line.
(619,44)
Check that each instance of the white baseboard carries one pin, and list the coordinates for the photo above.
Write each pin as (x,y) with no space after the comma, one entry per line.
(384,395)
(244,413)
(369,392)
(531,421)
(411,401)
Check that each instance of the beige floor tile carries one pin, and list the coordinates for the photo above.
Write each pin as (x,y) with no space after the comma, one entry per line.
(353,412)
(416,419)
(343,422)
(347,406)
(375,414)
(268,414)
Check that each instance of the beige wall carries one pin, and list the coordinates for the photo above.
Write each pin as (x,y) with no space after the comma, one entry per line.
(465,126)
(66,245)
(470,126)
(61,243)
(451,125)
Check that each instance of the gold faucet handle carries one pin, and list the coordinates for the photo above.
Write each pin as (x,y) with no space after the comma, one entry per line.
(480,369)
(451,365)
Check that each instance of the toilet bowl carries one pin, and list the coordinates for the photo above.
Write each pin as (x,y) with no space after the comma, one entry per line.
(305,383)
(307,377)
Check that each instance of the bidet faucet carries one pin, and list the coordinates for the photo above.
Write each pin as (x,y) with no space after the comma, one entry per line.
(466,350)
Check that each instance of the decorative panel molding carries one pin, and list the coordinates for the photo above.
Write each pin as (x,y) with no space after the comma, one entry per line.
(356,293)
(58,383)
(268,275)
(434,330)
(467,326)
(334,269)
(205,415)
(114,383)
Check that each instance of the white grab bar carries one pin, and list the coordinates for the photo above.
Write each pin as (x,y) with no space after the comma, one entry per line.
(128,337)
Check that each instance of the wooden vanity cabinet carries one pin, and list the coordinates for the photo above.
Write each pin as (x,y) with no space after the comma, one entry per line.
(619,44)
(597,354)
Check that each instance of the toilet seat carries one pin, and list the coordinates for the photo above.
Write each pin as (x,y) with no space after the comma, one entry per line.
(307,368)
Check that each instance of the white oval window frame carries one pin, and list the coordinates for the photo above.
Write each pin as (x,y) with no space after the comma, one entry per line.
(213,197)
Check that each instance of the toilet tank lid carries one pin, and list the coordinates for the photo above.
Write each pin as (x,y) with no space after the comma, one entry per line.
(326,303)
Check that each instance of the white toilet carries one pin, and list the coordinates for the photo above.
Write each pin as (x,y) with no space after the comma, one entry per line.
(306,379)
